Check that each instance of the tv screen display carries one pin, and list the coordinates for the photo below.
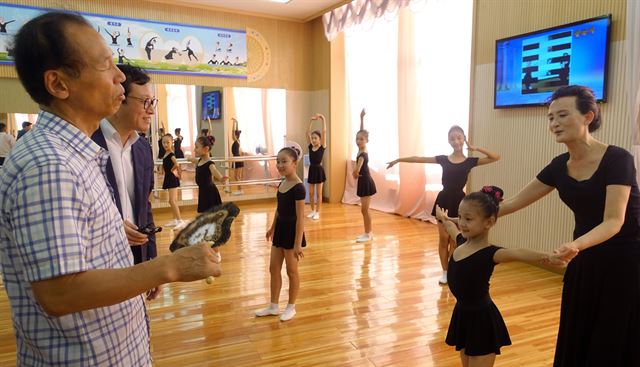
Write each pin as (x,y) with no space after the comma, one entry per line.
(530,67)
(211,105)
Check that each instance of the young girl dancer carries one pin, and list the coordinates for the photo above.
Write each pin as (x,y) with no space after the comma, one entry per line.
(206,172)
(317,144)
(177,144)
(366,186)
(477,329)
(171,181)
(236,152)
(287,234)
(455,170)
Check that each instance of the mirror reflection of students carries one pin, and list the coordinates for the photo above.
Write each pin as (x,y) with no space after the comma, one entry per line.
(172,174)
(238,167)
(177,144)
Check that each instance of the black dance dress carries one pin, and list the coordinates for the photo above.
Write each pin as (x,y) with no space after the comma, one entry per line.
(316,172)
(476,324)
(454,177)
(235,150)
(177,147)
(366,186)
(161,150)
(284,234)
(208,194)
(600,312)
(170,180)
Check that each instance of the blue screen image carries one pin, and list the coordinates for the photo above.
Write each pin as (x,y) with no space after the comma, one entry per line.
(529,68)
(211,105)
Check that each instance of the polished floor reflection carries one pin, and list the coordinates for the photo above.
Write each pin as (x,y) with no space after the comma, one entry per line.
(376,304)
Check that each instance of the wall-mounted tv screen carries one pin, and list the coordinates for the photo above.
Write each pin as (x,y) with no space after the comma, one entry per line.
(530,67)
(211,105)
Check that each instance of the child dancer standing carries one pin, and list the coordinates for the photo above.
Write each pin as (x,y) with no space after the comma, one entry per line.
(171,181)
(455,170)
(238,167)
(206,172)
(287,234)
(477,329)
(366,186)
(317,144)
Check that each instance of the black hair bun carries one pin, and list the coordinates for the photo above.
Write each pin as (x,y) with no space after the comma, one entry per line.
(494,192)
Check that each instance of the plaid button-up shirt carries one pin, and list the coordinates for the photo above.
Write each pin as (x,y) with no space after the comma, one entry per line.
(57,217)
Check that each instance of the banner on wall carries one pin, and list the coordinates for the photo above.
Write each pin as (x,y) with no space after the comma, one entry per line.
(158,47)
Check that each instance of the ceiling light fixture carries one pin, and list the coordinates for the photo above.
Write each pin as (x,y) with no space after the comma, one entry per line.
(282,1)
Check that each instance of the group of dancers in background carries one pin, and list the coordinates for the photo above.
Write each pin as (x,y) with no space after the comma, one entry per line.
(600,312)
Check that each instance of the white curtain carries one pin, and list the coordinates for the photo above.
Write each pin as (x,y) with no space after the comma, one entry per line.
(412,74)
(633,73)
(262,118)
(181,113)
(360,12)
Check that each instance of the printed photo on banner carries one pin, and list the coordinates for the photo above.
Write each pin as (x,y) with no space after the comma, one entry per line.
(155,46)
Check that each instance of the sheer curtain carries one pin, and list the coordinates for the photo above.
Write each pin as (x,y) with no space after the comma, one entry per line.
(412,74)
(181,113)
(262,118)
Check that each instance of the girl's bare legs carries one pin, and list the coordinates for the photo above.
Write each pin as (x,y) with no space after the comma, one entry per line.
(238,174)
(319,199)
(292,273)
(486,360)
(173,202)
(294,285)
(312,190)
(365,201)
(275,268)
(275,282)
(446,245)
(464,358)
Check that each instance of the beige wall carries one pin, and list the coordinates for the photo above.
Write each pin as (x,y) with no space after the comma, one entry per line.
(521,135)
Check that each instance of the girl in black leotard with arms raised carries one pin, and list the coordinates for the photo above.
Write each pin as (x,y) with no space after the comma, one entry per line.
(317,144)
(455,170)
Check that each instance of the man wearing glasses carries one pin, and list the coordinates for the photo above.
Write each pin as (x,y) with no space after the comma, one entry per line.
(130,164)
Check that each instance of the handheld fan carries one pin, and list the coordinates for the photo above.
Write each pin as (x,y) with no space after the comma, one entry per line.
(213,226)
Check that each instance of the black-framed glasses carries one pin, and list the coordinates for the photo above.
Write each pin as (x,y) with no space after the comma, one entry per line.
(146,102)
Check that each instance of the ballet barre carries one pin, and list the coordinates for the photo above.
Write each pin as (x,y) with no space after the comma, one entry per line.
(244,158)
(265,181)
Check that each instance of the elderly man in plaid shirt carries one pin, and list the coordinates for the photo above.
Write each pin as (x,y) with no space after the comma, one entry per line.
(75,295)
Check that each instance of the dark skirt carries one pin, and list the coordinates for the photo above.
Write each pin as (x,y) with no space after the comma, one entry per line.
(448,201)
(478,329)
(170,181)
(284,233)
(600,311)
(316,174)
(235,165)
(208,197)
(366,186)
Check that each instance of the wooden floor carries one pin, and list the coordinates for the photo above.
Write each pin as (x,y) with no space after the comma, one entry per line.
(376,304)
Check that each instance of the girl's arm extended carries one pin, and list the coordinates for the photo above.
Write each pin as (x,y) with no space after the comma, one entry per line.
(215,173)
(529,256)
(414,159)
(324,130)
